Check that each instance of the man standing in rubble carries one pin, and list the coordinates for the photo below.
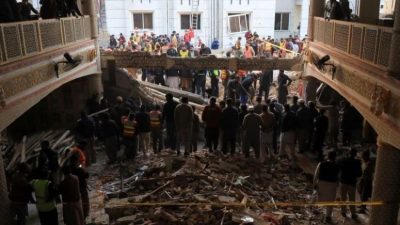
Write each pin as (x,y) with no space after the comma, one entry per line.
(288,134)
(143,129)
(110,133)
(229,125)
(350,171)
(267,130)
(251,132)
(283,83)
(326,182)
(211,117)
(129,135)
(183,116)
(85,131)
(169,120)
(156,129)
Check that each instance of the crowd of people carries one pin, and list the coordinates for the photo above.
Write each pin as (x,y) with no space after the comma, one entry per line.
(11,11)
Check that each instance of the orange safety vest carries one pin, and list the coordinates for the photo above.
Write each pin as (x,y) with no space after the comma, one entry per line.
(155,119)
(129,129)
(82,158)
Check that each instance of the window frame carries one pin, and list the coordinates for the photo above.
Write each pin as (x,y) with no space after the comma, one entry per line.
(189,14)
(247,16)
(143,21)
(281,17)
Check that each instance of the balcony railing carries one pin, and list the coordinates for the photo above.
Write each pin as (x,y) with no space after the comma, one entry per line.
(367,42)
(25,39)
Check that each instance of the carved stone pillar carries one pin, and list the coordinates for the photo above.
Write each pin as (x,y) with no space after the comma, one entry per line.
(4,202)
(316,9)
(369,11)
(394,65)
(386,185)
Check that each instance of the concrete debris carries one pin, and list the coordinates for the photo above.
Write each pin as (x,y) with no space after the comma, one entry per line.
(210,189)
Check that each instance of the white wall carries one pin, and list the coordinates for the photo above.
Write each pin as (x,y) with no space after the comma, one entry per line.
(261,19)
(304,18)
(294,7)
(214,16)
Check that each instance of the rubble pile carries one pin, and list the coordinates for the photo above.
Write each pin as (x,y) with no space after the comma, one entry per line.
(209,189)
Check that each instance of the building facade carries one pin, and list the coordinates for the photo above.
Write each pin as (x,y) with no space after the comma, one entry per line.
(224,20)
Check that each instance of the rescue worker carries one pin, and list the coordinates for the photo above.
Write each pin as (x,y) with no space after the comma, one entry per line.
(251,133)
(71,197)
(45,199)
(183,121)
(214,75)
(129,136)
(156,129)
(78,150)
(85,130)
(48,160)
(211,117)
(266,80)
(229,126)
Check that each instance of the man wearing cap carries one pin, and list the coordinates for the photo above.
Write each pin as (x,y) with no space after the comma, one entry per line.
(251,132)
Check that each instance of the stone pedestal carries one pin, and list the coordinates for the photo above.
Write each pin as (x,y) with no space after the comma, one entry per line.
(369,11)
(386,186)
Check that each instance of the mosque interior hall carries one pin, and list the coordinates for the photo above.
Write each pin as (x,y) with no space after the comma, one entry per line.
(197,112)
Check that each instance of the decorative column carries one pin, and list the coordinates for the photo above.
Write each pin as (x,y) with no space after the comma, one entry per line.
(394,65)
(369,11)
(316,9)
(386,185)
(92,4)
(4,201)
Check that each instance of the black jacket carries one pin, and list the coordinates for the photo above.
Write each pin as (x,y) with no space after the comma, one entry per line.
(168,111)
(230,118)
(350,170)
(143,122)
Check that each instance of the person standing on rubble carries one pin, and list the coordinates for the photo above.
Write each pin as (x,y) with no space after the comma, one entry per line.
(85,131)
(326,182)
(320,129)
(251,133)
(45,199)
(304,122)
(195,129)
(288,134)
(169,120)
(229,126)
(20,194)
(47,160)
(156,129)
(283,83)
(183,115)
(129,136)
(143,129)
(211,117)
(71,197)
(110,134)
(82,175)
(350,171)
(267,129)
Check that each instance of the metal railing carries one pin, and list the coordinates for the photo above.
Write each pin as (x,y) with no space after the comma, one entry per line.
(24,39)
(367,42)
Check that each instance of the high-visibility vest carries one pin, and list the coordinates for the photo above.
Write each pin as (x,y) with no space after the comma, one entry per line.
(215,73)
(41,188)
(155,121)
(184,54)
(129,129)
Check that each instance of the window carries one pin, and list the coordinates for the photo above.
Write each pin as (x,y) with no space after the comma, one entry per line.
(281,21)
(238,22)
(185,21)
(143,20)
